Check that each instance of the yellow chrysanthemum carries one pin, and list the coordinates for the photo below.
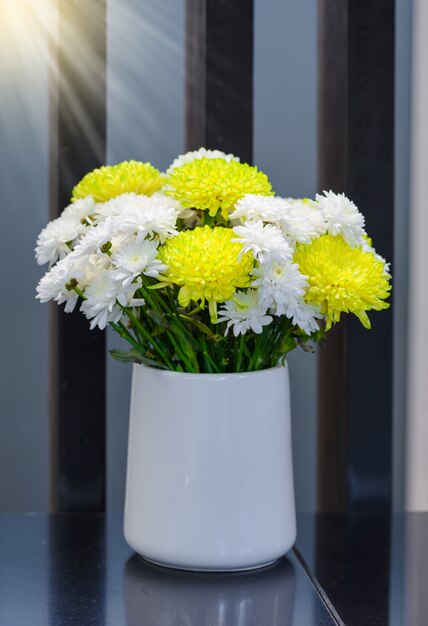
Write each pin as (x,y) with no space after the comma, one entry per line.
(342,279)
(204,262)
(212,184)
(110,181)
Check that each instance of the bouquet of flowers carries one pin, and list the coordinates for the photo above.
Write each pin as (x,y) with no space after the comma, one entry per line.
(203,268)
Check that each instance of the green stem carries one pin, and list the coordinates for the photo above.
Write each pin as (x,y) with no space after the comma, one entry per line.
(190,366)
(209,220)
(209,362)
(260,350)
(195,310)
(171,310)
(149,338)
(240,351)
(158,302)
(125,334)
(80,293)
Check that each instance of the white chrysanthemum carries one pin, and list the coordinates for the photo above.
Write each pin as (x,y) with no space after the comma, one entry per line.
(151,218)
(265,242)
(135,259)
(118,240)
(137,216)
(59,282)
(116,206)
(104,298)
(95,238)
(254,207)
(305,316)
(167,202)
(57,239)
(199,154)
(342,217)
(280,286)
(81,209)
(134,303)
(301,221)
(243,313)
(119,205)
(94,263)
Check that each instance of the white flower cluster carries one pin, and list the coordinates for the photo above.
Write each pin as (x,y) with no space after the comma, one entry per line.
(270,228)
(60,235)
(300,221)
(101,251)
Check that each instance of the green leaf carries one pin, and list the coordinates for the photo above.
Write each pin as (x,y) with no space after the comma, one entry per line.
(158,317)
(133,356)
(199,325)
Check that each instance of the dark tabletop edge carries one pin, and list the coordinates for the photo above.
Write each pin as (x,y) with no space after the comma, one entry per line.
(319,589)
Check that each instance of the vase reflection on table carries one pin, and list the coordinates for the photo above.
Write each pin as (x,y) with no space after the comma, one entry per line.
(154,596)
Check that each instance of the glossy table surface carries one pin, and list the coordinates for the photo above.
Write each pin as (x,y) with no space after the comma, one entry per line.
(362,569)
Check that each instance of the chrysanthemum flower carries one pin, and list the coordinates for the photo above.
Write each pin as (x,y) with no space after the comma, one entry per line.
(58,238)
(342,279)
(147,216)
(259,207)
(200,154)
(305,316)
(110,181)
(95,238)
(104,297)
(59,282)
(341,217)
(264,241)
(134,259)
(281,286)
(81,210)
(300,220)
(117,206)
(204,262)
(158,202)
(243,312)
(213,184)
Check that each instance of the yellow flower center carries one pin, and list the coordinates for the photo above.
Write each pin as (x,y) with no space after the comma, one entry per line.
(213,184)
(342,279)
(110,181)
(204,262)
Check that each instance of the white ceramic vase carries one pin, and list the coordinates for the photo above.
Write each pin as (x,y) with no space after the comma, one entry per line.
(210,479)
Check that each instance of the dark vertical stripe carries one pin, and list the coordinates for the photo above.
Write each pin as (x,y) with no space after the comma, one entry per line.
(356,155)
(78,145)
(219,76)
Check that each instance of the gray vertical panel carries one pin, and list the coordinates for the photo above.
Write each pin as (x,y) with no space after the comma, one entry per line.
(145,103)
(416,431)
(24,211)
(401,216)
(285,148)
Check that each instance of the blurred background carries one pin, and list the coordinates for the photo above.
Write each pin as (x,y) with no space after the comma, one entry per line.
(145,121)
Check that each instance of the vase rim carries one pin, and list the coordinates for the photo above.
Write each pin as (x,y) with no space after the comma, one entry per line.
(213,375)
